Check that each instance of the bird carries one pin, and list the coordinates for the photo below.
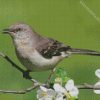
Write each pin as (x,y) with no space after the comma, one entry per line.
(39,53)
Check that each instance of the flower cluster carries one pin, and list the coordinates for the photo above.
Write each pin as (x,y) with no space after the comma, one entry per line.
(68,92)
(97,84)
(63,88)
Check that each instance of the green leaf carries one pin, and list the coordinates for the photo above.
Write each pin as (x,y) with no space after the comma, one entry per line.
(61,73)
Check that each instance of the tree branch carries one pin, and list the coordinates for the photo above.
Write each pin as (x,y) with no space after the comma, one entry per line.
(24,91)
(17,67)
(36,85)
(11,62)
(88,86)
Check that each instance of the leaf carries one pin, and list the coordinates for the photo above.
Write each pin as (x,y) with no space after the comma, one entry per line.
(61,73)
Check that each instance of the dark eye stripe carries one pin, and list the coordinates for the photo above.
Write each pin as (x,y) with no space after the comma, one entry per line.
(16,30)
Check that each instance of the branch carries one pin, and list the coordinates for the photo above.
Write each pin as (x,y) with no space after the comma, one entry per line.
(11,62)
(24,91)
(17,67)
(88,86)
(36,83)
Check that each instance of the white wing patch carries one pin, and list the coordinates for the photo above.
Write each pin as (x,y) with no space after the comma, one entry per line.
(64,54)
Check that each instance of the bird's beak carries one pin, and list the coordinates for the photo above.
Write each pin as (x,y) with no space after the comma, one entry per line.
(5,31)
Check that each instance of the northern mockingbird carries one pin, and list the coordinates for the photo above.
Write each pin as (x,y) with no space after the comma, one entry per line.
(38,53)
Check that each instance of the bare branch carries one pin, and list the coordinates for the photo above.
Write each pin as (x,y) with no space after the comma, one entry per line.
(36,85)
(11,62)
(35,82)
(16,66)
(88,86)
(24,91)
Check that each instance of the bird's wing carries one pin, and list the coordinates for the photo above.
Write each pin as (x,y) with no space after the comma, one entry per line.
(49,48)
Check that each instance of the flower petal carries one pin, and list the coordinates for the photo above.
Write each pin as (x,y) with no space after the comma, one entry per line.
(97,73)
(69,85)
(51,93)
(74,92)
(97,85)
(58,88)
(59,96)
(45,98)
(39,94)
(43,88)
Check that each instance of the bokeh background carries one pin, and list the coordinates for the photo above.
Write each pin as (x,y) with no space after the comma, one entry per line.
(65,20)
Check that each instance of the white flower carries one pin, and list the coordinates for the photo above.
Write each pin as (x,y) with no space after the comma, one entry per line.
(58,88)
(97,85)
(97,73)
(69,90)
(45,94)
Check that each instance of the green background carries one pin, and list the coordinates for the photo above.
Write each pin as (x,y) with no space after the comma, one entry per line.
(65,20)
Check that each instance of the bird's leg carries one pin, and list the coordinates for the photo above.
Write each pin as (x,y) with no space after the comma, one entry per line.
(50,76)
(26,75)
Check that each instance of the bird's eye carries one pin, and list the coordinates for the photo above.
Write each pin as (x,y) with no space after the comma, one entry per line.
(18,29)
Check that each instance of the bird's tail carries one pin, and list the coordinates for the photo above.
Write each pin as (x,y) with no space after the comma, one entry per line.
(84,52)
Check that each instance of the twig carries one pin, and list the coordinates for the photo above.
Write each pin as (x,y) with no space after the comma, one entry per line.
(88,86)
(36,85)
(16,66)
(11,62)
(24,91)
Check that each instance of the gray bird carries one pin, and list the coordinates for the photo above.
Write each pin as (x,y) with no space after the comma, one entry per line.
(38,53)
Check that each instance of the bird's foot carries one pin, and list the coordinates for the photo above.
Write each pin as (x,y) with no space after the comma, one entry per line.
(26,74)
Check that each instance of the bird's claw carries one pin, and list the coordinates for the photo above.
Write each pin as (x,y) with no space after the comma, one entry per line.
(26,75)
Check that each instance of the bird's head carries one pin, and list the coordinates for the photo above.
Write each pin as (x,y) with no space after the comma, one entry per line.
(19,29)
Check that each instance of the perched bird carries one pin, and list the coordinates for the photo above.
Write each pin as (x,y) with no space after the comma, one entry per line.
(38,53)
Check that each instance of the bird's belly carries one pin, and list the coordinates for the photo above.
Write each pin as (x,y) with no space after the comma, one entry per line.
(35,62)
(40,63)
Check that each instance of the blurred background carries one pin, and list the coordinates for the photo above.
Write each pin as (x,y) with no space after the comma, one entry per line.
(65,20)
